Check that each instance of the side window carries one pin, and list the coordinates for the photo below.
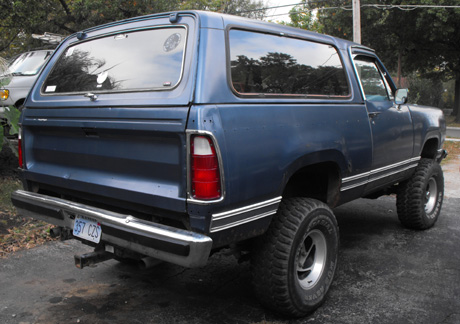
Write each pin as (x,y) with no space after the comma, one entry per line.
(265,64)
(374,85)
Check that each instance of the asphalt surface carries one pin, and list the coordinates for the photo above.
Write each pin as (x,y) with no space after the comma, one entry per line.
(386,274)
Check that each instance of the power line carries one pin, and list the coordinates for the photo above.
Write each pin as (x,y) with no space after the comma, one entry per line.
(349,7)
(410,7)
(378,6)
(283,6)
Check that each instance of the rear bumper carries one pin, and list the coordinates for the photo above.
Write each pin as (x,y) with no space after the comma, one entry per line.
(185,248)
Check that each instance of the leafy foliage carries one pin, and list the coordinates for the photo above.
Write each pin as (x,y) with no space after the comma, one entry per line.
(301,17)
(425,91)
(12,115)
(425,41)
(20,19)
(245,8)
(8,125)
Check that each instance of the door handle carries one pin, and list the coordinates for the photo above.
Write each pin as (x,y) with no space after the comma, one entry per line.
(374,114)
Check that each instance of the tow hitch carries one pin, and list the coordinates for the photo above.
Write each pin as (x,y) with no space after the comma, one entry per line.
(92,258)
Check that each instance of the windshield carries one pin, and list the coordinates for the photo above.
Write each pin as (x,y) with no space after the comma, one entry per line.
(29,63)
(140,60)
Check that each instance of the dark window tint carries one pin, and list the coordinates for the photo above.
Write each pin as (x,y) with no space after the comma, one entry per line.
(149,59)
(269,64)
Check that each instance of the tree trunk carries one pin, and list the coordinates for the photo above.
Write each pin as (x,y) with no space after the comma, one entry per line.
(456,107)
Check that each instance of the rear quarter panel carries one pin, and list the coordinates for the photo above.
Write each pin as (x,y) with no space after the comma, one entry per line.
(263,145)
(265,140)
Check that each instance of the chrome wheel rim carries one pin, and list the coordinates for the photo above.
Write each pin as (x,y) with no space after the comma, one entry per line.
(431,194)
(311,259)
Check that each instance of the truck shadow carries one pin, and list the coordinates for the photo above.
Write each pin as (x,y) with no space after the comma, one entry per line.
(373,245)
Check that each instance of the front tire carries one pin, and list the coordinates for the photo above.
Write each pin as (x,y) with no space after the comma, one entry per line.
(294,262)
(420,198)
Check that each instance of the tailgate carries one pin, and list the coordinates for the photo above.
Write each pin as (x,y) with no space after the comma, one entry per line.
(135,155)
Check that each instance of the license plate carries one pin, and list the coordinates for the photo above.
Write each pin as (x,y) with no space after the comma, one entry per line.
(87,228)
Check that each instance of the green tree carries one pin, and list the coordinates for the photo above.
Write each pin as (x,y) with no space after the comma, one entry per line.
(302,16)
(245,8)
(422,40)
(389,31)
(9,126)
(19,19)
(441,38)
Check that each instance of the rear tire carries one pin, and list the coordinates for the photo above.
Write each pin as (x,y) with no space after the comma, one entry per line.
(293,263)
(420,198)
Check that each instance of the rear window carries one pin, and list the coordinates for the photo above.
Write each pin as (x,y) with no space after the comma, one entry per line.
(140,60)
(271,64)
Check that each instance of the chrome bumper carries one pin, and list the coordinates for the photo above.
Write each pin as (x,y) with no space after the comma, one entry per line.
(163,242)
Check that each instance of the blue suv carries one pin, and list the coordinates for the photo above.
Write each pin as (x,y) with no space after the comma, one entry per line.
(174,135)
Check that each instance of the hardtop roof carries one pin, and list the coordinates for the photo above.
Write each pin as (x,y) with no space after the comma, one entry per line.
(215,20)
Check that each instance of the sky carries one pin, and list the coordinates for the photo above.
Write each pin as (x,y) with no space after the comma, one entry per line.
(281,14)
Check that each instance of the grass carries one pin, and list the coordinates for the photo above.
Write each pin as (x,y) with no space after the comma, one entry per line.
(453,148)
(30,234)
(16,232)
(7,186)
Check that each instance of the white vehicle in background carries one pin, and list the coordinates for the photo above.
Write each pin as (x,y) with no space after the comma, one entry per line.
(19,78)
(21,75)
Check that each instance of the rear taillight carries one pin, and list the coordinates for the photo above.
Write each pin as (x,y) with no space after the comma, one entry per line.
(204,166)
(21,164)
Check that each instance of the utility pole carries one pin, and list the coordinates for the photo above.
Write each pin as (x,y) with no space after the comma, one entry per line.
(357,21)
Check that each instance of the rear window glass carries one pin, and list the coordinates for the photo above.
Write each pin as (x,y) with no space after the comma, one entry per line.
(270,64)
(141,60)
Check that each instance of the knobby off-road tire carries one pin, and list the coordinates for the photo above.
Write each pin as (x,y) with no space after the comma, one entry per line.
(419,199)
(294,262)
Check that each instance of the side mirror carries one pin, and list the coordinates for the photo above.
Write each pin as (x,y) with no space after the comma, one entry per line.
(401,96)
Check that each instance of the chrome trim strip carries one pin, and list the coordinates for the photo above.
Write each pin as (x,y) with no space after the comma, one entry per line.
(372,173)
(190,199)
(361,88)
(243,221)
(393,173)
(392,166)
(35,205)
(355,177)
(244,211)
(354,185)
